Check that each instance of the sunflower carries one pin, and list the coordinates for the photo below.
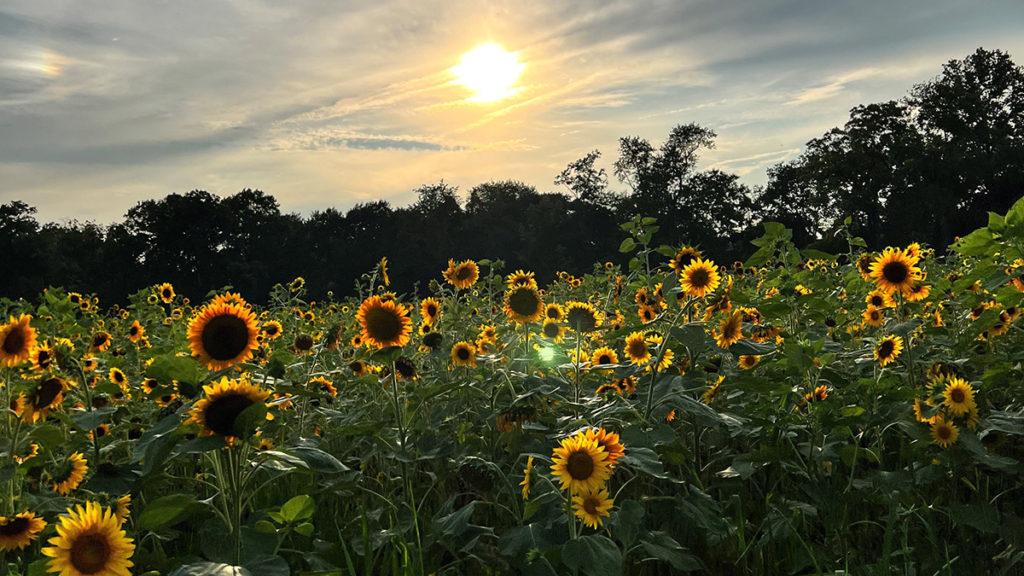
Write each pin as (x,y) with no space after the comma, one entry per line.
(879,299)
(864,265)
(359,368)
(222,335)
(17,340)
(646,313)
(136,331)
(637,349)
(18,531)
(604,357)
(47,395)
(123,508)
(382,267)
(42,357)
(117,376)
(324,385)
(592,506)
(217,412)
(553,312)
(895,271)
(166,292)
(520,278)
(730,330)
(817,395)
(582,317)
(748,361)
(944,432)
(610,441)
(272,329)
(918,292)
(430,310)
(523,304)
(101,341)
(527,472)
(553,330)
(608,387)
(464,354)
(90,542)
(683,257)
(958,396)
(463,274)
(888,349)
(383,323)
(72,474)
(699,278)
(873,317)
(580,463)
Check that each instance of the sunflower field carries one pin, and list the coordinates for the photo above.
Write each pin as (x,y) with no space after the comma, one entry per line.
(796,413)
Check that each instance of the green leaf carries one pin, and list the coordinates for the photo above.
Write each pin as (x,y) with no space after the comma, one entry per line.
(210,569)
(88,421)
(167,511)
(627,522)
(318,460)
(170,367)
(751,348)
(298,508)
(306,529)
(250,419)
(664,547)
(627,245)
(593,555)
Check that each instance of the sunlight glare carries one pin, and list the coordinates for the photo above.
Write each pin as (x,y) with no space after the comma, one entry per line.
(490,72)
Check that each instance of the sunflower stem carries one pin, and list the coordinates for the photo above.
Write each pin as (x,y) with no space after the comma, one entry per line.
(400,420)
(657,361)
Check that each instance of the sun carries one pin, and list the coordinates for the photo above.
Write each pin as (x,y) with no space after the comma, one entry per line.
(490,72)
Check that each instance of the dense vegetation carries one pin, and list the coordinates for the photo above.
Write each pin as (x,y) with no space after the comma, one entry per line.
(799,413)
(924,168)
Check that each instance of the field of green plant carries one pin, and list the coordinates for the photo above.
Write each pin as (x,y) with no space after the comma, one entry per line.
(796,413)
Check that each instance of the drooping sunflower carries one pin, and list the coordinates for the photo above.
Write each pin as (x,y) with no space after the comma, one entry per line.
(384,323)
(405,368)
(382,268)
(463,274)
(592,506)
(604,357)
(520,278)
(523,304)
(322,384)
(359,368)
(297,284)
(71,475)
(430,310)
(222,335)
(699,278)
(683,257)
(582,317)
(958,396)
(166,292)
(944,432)
(637,349)
(895,271)
(123,508)
(17,340)
(730,330)
(223,401)
(527,472)
(464,354)
(18,531)
(888,349)
(90,542)
(580,463)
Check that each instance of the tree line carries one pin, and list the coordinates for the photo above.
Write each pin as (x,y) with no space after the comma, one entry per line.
(926,167)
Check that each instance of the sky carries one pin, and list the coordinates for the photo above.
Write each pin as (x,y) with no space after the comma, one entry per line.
(331,103)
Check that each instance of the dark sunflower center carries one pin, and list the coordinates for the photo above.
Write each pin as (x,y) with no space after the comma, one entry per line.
(523,302)
(699,278)
(957,395)
(604,359)
(303,342)
(885,349)
(14,342)
(462,353)
(225,337)
(637,348)
(46,392)
(551,330)
(14,527)
(221,413)
(271,330)
(405,369)
(944,432)
(895,272)
(876,301)
(590,505)
(463,273)
(553,313)
(581,319)
(166,293)
(44,358)
(382,324)
(580,466)
(90,553)
(431,310)
(134,331)
(99,340)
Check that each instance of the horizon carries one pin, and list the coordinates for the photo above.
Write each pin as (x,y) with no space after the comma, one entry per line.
(326,106)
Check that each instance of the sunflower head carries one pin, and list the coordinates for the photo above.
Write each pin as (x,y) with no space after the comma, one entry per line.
(637,349)
(582,317)
(592,506)
(553,330)
(944,432)
(464,354)
(521,278)
(47,395)
(888,349)
(730,330)
(165,292)
(683,257)
(699,278)
(463,274)
(18,531)
(71,474)
(90,541)
(523,304)
(430,310)
(17,340)
(223,334)
(604,357)
(958,396)
(223,402)
(580,464)
(384,323)
(895,271)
